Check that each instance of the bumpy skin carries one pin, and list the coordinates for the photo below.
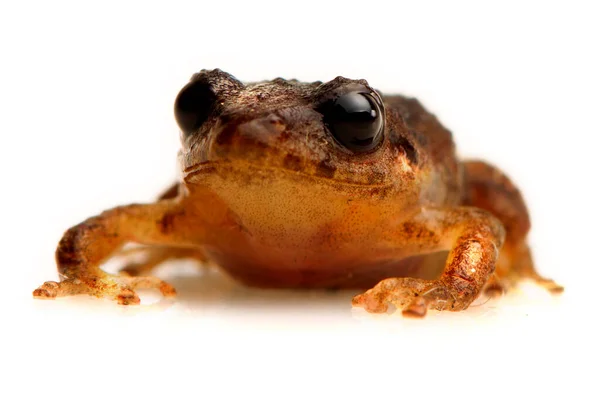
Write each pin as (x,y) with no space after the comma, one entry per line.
(271,197)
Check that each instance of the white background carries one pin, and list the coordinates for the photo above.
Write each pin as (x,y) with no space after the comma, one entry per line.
(86,124)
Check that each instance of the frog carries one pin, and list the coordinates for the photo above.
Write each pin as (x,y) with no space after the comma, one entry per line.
(315,185)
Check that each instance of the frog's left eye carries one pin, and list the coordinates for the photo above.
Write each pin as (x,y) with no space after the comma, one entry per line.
(356,120)
(193,105)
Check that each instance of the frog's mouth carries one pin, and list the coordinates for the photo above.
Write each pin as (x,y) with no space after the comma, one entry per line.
(249,172)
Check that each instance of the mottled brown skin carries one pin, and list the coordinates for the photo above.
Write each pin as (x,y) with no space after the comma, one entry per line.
(271,197)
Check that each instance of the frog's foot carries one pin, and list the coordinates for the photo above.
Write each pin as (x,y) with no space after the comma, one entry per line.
(548,284)
(497,287)
(502,283)
(412,296)
(119,288)
(151,257)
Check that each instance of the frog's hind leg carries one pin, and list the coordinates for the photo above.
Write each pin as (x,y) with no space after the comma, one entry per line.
(488,188)
(153,256)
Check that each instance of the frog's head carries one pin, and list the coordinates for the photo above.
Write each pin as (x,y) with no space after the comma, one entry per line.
(335,133)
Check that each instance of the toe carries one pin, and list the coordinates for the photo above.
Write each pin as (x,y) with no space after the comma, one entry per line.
(167,290)
(127,297)
(48,290)
(551,286)
(370,303)
(555,289)
(416,309)
(41,293)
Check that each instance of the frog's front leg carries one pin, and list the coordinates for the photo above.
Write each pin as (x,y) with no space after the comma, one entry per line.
(85,246)
(488,188)
(473,238)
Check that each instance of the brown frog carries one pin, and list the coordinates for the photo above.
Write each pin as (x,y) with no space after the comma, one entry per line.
(303,185)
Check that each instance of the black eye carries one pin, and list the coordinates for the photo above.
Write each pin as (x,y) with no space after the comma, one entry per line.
(193,106)
(355,120)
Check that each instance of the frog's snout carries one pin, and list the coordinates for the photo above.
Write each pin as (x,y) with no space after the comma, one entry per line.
(263,130)
(247,140)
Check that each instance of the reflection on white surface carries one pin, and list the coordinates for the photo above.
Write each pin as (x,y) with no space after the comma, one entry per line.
(273,341)
(205,292)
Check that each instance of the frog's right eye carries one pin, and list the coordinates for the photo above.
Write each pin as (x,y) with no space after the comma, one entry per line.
(193,106)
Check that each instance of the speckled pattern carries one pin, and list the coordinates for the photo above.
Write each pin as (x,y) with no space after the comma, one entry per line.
(269,195)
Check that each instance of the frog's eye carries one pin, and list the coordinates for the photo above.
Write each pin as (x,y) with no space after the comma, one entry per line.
(356,121)
(193,105)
